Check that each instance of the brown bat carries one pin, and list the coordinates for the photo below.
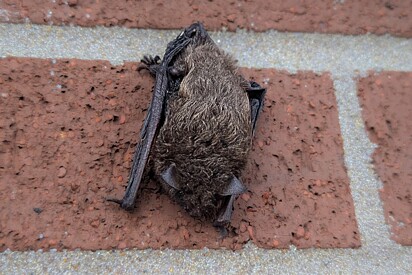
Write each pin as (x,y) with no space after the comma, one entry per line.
(199,127)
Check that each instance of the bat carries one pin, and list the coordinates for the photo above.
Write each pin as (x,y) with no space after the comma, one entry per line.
(198,129)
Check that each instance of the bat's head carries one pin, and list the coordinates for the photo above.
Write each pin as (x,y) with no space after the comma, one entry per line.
(197,34)
(193,36)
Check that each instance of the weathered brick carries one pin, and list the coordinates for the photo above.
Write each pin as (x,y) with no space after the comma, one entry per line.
(386,101)
(68,130)
(325,16)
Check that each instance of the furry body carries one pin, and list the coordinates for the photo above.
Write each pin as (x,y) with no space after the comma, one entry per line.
(207,131)
(198,128)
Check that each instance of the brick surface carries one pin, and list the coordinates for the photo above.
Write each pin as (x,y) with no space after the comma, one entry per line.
(326,16)
(68,132)
(386,101)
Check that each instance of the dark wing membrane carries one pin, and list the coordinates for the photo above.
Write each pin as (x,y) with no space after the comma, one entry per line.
(152,122)
(256,96)
(147,134)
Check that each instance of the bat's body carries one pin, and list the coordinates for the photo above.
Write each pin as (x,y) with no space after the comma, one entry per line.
(203,138)
(207,132)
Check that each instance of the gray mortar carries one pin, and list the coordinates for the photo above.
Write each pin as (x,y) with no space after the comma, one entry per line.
(358,149)
(346,57)
(289,51)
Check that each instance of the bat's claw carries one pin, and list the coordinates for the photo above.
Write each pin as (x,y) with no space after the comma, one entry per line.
(223,232)
(122,203)
(115,200)
(150,63)
(150,60)
(221,227)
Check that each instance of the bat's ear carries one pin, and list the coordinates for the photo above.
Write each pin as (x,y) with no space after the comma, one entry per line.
(235,187)
(169,176)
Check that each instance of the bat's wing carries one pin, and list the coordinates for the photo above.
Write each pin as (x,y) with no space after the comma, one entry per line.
(256,96)
(156,111)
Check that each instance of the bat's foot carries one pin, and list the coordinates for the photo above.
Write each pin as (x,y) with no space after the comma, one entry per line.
(221,226)
(150,60)
(150,63)
(222,231)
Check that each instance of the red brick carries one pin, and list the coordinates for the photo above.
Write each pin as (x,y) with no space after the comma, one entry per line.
(44,126)
(386,101)
(325,16)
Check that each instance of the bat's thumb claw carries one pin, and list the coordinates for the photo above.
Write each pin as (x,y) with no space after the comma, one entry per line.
(115,200)
(142,67)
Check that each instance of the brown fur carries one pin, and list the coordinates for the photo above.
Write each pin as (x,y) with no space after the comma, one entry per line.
(207,131)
